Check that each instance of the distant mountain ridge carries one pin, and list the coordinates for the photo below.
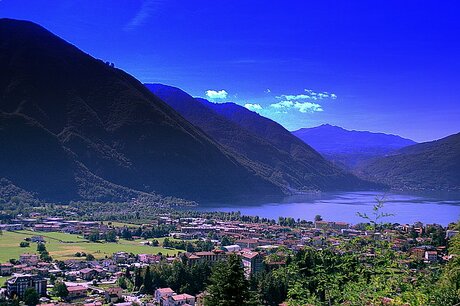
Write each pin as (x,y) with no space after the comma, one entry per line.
(350,148)
(433,165)
(260,143)
(73,127)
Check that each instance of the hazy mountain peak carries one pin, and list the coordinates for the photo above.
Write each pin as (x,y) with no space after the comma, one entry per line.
(350,147)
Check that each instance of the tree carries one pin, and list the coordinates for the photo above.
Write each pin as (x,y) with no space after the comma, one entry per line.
(41,247)
(377,214)
(448,287)
(89,257)
(226,241)
(111,236)
(137,279)
(318,218)
(126,234)
(189,247)
(121,281)
(148,282)
(228,285)
(94,236)
(166,243)
(52,279)
(272,286)
(45,256)
(31,297)
(13,261)
(60,290)
(24,244)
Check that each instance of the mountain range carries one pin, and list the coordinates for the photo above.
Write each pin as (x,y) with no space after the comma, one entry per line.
(350,148)
(260,143)
(74,127)
(433,165)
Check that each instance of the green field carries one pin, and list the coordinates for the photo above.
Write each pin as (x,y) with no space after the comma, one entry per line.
(121,224)
(63,246)
(161,239)
(3,279)
(62,237)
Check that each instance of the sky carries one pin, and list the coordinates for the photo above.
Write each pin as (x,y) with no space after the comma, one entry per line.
(384,66)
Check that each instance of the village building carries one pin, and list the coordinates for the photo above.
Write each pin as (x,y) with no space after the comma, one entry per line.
(162,294)
(248,243)
(76,291)
(28,259)
(252,263)
(179,299)
(431,256)
(6,269)
(17,285)
(113,294)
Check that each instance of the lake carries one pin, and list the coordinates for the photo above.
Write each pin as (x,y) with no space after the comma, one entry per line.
(441,208)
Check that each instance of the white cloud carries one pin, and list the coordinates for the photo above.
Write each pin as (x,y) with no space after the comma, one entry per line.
(216,94)
(145,11)
(303,107)
(293,97)
(320,95)
(308,107)
(304,103)
(282,105)
(253,107)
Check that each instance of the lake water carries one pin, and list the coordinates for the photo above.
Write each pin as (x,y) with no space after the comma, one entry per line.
(441,208)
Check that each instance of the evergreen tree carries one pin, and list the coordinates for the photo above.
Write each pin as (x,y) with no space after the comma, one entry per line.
(31,297)
(137,279)
(148,283)
(60,290)
(41,247)
(228,285)
(226,241)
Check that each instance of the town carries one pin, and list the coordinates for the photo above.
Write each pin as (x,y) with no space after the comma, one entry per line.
(68,261)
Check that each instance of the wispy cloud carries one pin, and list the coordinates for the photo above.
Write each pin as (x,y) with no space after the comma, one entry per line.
(145,11)
(307,102)
(309,95)
(308,107)
(253,107)
(294,97)
(216,94)
(303,107)
(283,105)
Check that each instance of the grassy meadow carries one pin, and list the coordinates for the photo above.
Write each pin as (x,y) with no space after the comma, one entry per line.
(62,246)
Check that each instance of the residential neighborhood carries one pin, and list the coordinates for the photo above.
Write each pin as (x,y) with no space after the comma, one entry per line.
(260,246)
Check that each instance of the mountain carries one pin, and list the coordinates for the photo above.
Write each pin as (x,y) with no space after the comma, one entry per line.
(73,127)
(260,143)
(431,165)
(350,148)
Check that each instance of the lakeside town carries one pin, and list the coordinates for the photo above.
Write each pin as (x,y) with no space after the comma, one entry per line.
(189,246)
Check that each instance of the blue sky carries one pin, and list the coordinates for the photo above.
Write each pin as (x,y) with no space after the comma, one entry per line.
(385,66)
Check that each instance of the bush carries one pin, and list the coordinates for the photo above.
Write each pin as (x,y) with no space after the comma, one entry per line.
(31,297)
